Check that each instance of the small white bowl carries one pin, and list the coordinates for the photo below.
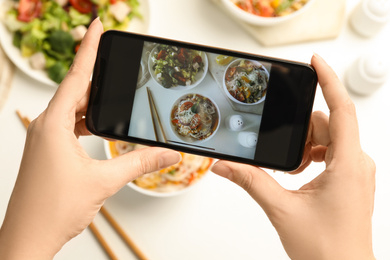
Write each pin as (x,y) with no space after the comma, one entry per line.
(188,139)
(235,63)
(151,192)
(199,76)
(259,20)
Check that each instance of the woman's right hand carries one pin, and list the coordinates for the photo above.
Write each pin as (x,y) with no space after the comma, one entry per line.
(329,217)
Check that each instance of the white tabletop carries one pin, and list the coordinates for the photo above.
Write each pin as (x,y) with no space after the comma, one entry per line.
(216,219)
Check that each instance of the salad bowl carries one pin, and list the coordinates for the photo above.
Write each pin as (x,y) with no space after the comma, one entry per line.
(167,70)
(24,64)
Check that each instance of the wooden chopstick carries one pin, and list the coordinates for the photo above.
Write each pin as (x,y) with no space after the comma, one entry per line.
(102,241)
(107,216)
(25,120)
(151,113)
(155,111)
(122,234)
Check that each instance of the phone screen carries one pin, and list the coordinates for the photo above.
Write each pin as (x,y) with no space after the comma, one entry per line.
(200,99)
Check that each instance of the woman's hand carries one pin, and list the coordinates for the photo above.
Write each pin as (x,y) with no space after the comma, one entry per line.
(60,189)
(329,217)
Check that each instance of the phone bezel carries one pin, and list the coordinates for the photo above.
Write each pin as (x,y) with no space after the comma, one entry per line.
(298,132)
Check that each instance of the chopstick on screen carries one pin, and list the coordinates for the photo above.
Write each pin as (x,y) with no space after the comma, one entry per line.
(151,114)
(107,216)
(155,111)
(203,147)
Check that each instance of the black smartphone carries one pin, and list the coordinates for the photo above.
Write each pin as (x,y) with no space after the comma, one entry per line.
(203,100)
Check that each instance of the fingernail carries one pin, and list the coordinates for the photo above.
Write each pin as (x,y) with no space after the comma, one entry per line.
(318,56)
(168,158)
(221,169)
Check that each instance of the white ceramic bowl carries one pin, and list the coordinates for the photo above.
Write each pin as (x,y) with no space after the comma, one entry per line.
(151,192)
(235,63)
(259,20)
(188,139)
(198,77)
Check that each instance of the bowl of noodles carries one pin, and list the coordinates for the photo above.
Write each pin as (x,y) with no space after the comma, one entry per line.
(194,118)
(167,182)
(266,12)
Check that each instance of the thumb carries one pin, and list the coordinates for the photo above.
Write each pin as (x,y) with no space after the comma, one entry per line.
(127,167)
(260,185)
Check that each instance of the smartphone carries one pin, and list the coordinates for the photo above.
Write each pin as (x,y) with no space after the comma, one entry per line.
(203,100)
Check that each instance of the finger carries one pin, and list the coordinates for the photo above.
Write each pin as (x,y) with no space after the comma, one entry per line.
(127,167)
(262,187)
(75,85)
(306,160)
(334,92)
(312,154)
(343,129)
(319,129)
(81,129)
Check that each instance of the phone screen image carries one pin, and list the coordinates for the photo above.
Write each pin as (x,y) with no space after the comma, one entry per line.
(199,99)
(197,96)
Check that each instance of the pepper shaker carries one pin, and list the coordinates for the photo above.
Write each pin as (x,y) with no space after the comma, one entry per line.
(368,73)
(370,16)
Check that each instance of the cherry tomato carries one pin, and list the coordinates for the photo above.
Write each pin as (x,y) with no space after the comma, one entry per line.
(179,76)
(186,105)
(162,54)
(76,48)
(240,97)
(229,73)
(197,59)
(181,58)
(83,6)
(29,9)
(233,93)
(195,122)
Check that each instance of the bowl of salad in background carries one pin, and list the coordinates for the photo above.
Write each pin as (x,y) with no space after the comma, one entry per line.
(266,12)
(194,118)
(245,82)
(177,68)
(171,181)
(42,36)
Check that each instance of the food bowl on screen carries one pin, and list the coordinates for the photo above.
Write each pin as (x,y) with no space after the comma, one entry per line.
(245,82)
(177,68)
(194,118)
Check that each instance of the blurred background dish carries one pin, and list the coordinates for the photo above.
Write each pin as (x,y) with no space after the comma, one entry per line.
(194,118)
(266,12)
(50,66)
(245,82)
(167,182)
(177,68)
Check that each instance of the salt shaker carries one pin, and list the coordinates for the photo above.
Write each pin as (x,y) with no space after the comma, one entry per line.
(368,73)
(234,122)
(370,16)
(247,139)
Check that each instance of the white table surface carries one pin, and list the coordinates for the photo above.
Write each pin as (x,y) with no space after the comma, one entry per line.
(216,219)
